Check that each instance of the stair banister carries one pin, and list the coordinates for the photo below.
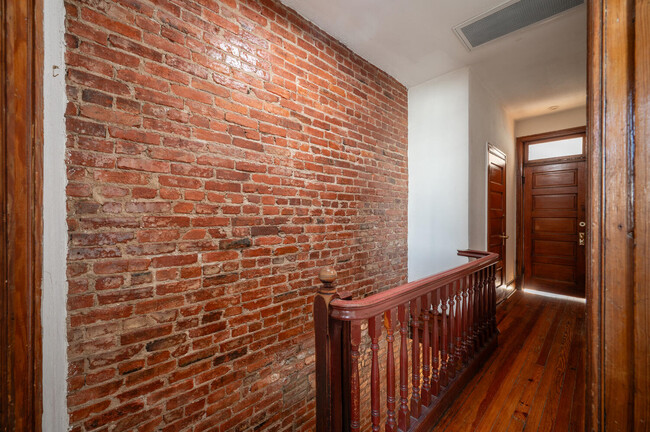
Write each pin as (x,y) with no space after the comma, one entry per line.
(447,320)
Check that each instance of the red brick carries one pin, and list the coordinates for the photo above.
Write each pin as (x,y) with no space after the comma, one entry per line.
(159,304)
(114,414)
(157,235)
(134,135)
(195,95)
(105,22)
(147,95)
(108,54)
(120,177)
(142,80)
(135,48)
(83,127)
(145,334)
(124,296)
(98,83)
(174,260)
(96,392)
(204,195)
(120,266)
(78,190)
(143,165)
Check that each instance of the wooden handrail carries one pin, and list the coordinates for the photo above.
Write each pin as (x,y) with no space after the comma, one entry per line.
(348,310)
(445,324)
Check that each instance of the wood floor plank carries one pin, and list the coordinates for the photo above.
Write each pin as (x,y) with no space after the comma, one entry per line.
(480,382)
(570,379)
(577,422)
(535,378)
(528,393)
(498,371)
(528,379)
(502,402)
(545,401)
(517,420)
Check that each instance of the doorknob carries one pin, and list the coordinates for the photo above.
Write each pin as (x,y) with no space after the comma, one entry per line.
(504,237)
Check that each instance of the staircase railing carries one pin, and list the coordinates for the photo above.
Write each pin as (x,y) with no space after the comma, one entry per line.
(443,328)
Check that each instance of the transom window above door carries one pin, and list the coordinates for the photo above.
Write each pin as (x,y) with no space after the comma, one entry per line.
(561,148)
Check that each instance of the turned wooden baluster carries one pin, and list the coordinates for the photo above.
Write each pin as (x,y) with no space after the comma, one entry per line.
(484,288)
(426,361)
(451,351)
(443,349)
(493,303)
(480,317)
(415,362)
(389,324)
(465,301)
(477,310)
(355,409)
(486,317)
(435,376)
(459,323)
(470,318)
(374,330)
(404,420)
(488,302)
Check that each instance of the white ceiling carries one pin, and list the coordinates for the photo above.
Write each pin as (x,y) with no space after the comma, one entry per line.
(529,71)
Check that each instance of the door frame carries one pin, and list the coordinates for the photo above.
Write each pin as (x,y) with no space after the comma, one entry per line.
(497,152)
(618,261)
(521,156)
(21,234)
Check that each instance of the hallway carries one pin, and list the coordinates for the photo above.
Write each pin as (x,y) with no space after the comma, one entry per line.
(535,379)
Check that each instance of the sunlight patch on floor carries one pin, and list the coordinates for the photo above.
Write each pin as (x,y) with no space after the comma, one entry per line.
(557,296)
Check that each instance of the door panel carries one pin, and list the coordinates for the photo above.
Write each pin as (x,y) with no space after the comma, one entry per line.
(554,248)
(496,207)
(554,179)
(555,202)
(550,225)
(554,273)
(554,206)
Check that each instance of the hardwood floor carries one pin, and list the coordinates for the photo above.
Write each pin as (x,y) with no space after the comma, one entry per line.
(535,380)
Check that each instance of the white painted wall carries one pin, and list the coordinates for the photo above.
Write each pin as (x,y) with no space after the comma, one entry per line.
(54,286)
(438,173)
(489,123)
(551,122)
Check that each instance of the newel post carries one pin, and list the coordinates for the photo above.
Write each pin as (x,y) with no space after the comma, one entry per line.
(328,356)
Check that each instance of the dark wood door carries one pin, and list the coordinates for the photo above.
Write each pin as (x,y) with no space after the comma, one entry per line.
(496,210)
(554,227)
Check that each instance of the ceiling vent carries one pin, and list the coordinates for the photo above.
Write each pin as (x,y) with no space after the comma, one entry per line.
(509,17)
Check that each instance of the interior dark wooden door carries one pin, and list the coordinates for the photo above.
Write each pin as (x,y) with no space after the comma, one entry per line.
(554,227)
(497,210)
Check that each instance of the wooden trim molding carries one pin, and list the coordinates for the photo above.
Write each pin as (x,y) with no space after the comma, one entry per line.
(20,232)
(618,307)
(642,217)
(519,197)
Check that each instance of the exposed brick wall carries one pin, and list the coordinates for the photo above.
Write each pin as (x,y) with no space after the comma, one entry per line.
(219,154)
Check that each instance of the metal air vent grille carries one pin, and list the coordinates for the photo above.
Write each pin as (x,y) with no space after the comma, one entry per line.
(509,17)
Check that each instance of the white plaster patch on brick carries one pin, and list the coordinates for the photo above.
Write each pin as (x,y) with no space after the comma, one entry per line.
(54,286)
